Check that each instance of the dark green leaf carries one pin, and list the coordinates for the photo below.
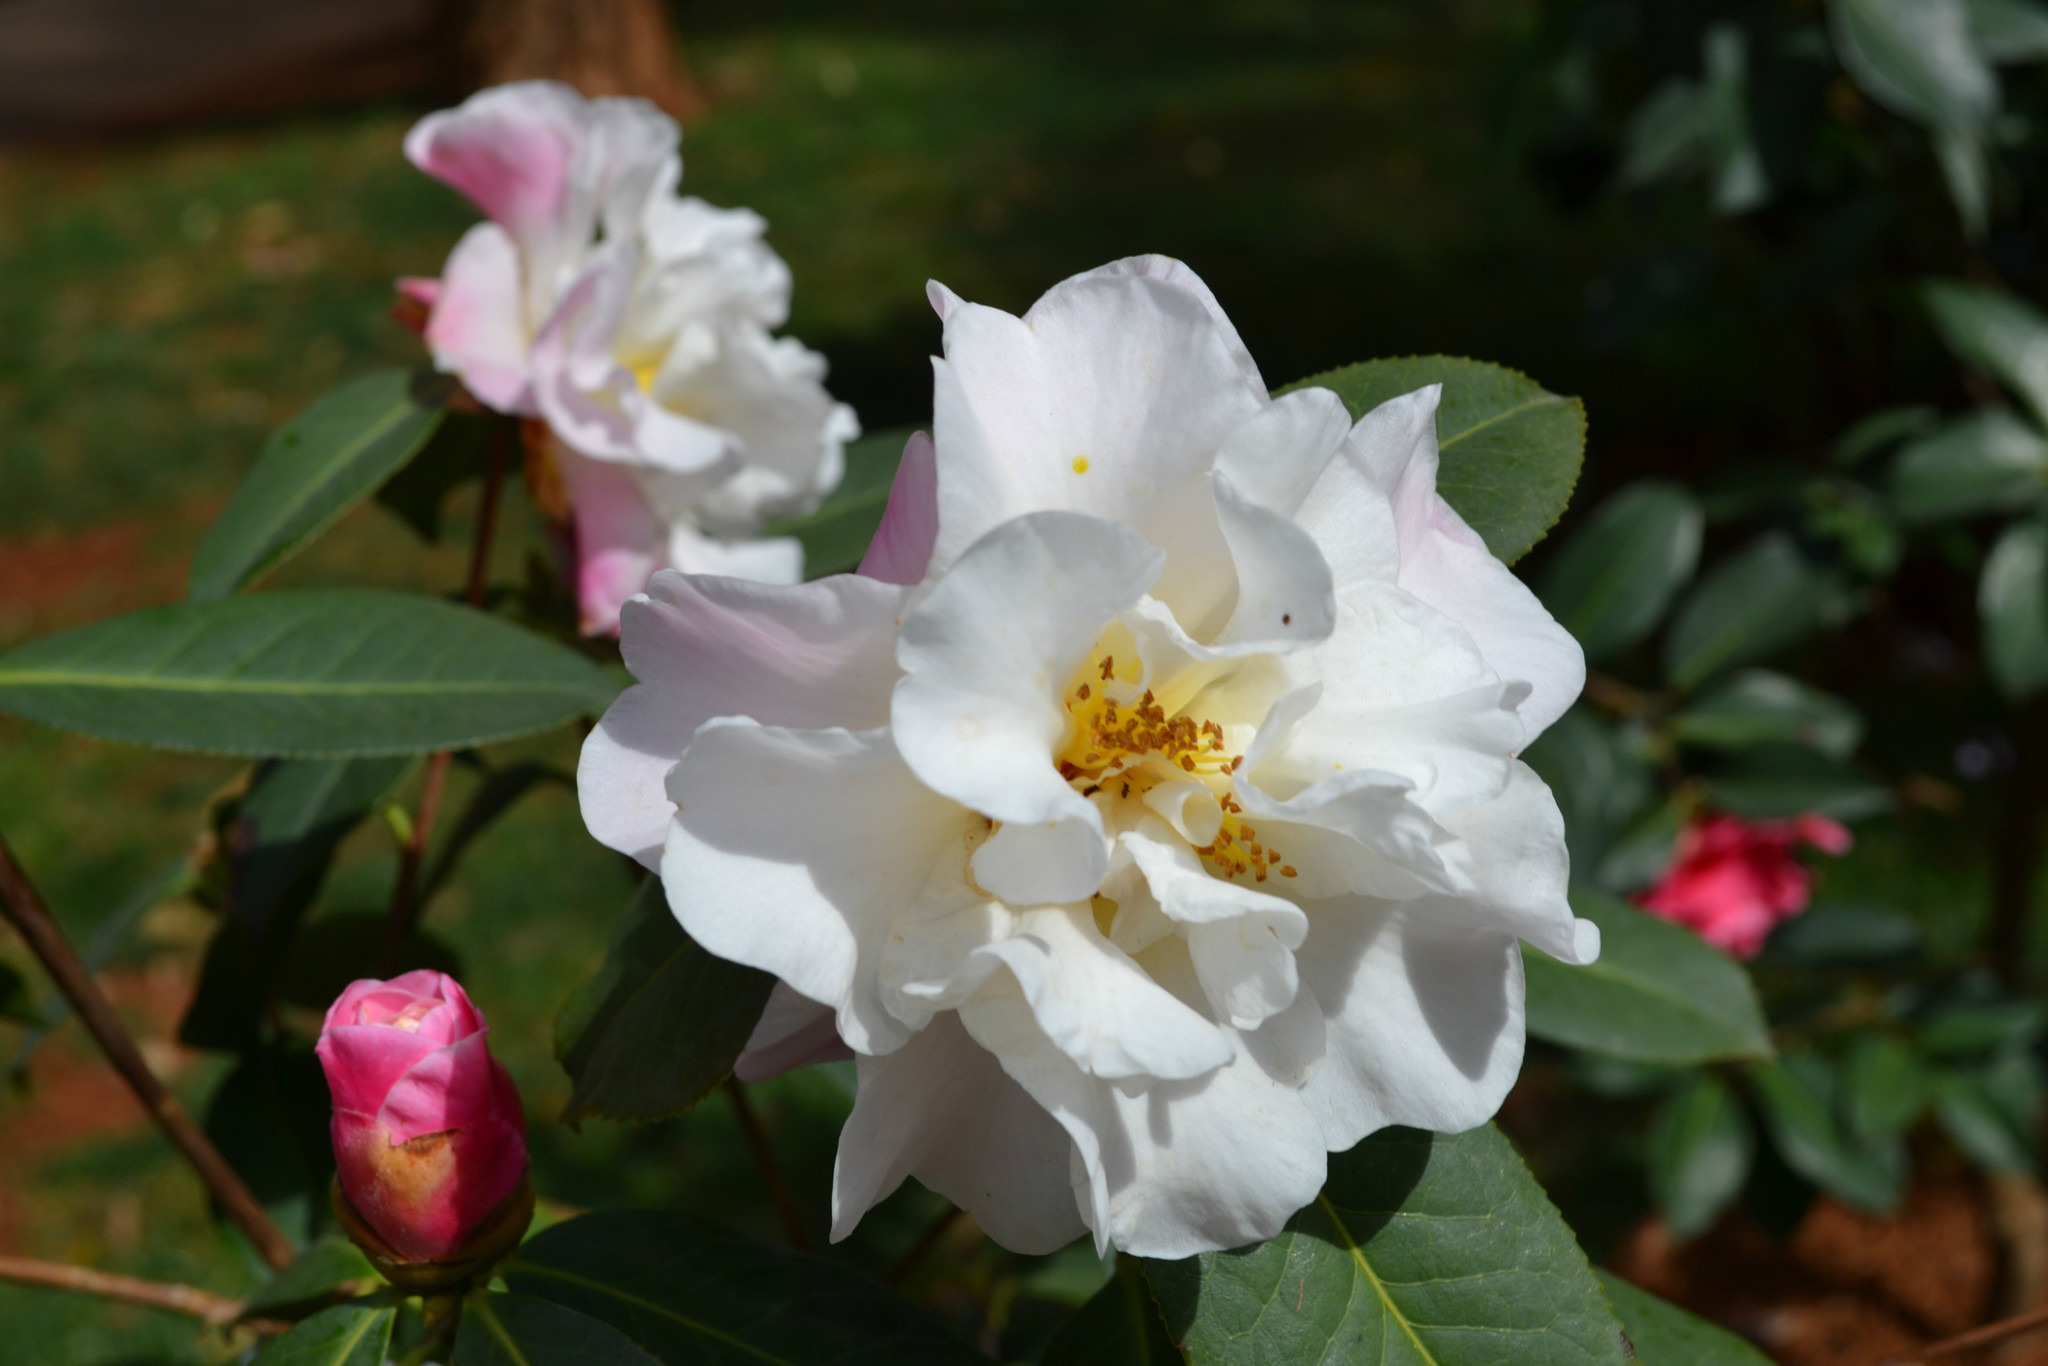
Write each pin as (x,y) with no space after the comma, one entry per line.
(2009,30)
(1700,1151)
(660,1024)
(269,1118)
(1611,582)
(1601,778)
(284,834)
(1996,332)
(1885,427)
(1976,1028)
(337,949)
(1421,1248)
(458,452)
(1975,1126)
(500,790)
(1836,935)
(330,1268)
(1987,462)
(1658,993)
(313,469)
(331,672)
(1644,851)
(1758,601)
(518,1330)
(688,1292)
(836,536)
(1797,1099)
(16,1005)
(2012,604)
(1884,1088)
(1757,707)
(1665,1335)
(356,1334)
(1769,781)
(1120,1326)
(1510,449)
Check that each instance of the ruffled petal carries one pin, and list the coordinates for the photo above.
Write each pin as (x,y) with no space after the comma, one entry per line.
(794,1031)
(476,329)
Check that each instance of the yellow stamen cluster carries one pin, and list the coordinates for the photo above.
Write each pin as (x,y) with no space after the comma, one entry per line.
(1113,745)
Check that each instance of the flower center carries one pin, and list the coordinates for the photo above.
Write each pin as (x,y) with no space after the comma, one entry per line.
(1119,751)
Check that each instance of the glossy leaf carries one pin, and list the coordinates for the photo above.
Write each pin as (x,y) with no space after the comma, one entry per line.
(1658,993)
(286,829)
(1992,461)
(329,1268)
(1612,580)
(2012,606)
(1835,934)
(836,535)
(660,1023)
(312,470)
(1996,332)
(357,1334)
(518,1330)
(1665,1335)
(1772,781)
(1421,1248)
(1119,1326)
(1758,707)
(2009,30)
(1974,1125)
(1882,429)
(1510,449)
(1797,1099)
(1751,605)
(1700,1151)
(318,673)
(1973,1029)
(1884,1087)
(691,1293)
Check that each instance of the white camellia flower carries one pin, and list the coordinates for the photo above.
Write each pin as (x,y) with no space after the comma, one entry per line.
(1145,815)
(637,324)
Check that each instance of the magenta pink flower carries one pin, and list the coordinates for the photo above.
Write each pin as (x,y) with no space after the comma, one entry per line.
(428,1133)
(1732,879)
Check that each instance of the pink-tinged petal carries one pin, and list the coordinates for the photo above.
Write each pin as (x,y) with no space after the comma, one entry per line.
(415,302)
(510,149)
(618,539)
(450,1088)
(425,1196)
(795,1031)
(477,329)
(910,524)
(813,655)
(363,1063)
(1830,837)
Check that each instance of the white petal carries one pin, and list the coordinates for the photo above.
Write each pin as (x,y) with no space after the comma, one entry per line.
(794,1031)
(1284,594)
(1181,276)
(794,852)
(768,559)
(941,1109)
(1423,1030)
(1446,564)
(476,328)
(978,715)
(1278,456)
(816,655)
(1241,940)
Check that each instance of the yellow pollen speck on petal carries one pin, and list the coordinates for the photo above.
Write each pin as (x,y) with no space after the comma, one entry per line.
(1080,464)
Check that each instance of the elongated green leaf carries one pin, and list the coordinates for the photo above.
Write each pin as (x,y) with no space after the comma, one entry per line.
(1884,1088)
(660,1023)
(1756,602)
(693,1294)
(334,673)
(329,1268)
(836,535)
(1797,1098)
(1510,449)
(458,452)
(1665,1335)
(1700,1152)
(518,1330)
(1881,429)
(1996,332)
(1973,1029)
(316,467)
(1422,1248)
(1119,1326)
(357,1334)
(1757,707)
(1837,934)
(1615,576)
(1775,780)
(284,834)
(2012,604)
(2009,30)
(1658,993)
(1991,461)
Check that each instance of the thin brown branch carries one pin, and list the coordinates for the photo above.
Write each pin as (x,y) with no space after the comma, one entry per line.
(188,1300)
(1975,1338)
(771,1175)
(405,908)
(922,1248)
(24,909)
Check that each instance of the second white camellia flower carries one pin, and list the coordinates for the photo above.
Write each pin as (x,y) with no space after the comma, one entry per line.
(1145,815)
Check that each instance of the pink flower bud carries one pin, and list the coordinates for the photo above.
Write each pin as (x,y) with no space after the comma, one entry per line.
(1732,880)
(428,1134)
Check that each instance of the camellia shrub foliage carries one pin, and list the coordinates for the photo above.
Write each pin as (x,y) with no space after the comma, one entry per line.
(1149,775)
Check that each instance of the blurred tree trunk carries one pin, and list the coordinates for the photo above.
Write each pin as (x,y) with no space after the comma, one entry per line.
(602,47)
